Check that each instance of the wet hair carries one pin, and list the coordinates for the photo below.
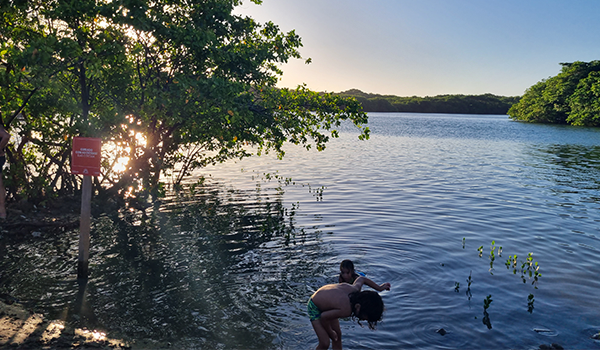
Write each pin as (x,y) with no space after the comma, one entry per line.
(371,307)
(347,264)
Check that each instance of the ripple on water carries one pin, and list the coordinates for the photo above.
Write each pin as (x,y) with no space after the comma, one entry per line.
(398,205)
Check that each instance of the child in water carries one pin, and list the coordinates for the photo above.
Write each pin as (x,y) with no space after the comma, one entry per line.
(348,275)
(334,301)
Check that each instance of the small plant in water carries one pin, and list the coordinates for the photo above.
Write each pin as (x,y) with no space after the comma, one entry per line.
(530,301)
(317,192)
(487,302)
(486,317)
(528,268)
(531,268)
(511,262)
(469,281)
(492,256)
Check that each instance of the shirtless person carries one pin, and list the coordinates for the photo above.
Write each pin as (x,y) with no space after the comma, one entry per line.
(334,301)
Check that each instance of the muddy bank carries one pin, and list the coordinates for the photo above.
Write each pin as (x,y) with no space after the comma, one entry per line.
(21,328)
(24,219)
(24,329)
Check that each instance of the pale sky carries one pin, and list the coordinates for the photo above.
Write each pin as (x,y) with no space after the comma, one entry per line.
(432,47)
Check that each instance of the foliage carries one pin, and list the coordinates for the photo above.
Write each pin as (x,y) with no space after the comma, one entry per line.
(571,97)
(464,104)
(487,302)
(169,86)
(529,270)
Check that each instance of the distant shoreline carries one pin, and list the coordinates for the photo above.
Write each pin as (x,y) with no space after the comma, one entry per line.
(445,104)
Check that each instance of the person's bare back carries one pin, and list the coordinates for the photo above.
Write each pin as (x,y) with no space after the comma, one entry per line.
(334,297)
(334,301)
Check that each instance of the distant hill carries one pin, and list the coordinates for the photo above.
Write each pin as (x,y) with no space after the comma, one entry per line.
(460,104)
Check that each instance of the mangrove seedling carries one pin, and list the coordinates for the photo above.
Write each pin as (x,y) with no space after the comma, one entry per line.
(469,281)
(487,301)
(530,301)
(492,257)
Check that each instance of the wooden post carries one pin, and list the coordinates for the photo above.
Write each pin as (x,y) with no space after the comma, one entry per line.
(84,227)
(85,160)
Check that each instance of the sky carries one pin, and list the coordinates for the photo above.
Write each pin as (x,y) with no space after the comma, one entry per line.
(432,47)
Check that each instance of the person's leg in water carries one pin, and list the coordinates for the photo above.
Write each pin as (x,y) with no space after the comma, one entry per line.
(314,314)
(328,332)
(332,327)
(335,327)
(322,334)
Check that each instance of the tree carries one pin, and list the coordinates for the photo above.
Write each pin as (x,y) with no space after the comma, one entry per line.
(553,100)
(585,102)
(169,85)
(463,104)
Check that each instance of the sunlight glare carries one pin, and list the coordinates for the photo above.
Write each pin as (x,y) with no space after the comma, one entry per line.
(141,139)
(28,327)
(53,331)
(91,335)
(120,165)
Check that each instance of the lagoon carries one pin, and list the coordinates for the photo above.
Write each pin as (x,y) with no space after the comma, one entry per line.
(231,261)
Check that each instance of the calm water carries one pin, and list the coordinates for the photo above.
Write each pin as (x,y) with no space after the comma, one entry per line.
(230,263)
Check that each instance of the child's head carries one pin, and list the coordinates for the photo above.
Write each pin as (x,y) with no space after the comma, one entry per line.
(347,270)
(368,306)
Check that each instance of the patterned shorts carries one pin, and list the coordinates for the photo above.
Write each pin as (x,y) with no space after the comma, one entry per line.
(313,311)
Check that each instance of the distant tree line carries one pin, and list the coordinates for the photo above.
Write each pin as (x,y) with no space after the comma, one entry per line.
(461,104)
(571,97)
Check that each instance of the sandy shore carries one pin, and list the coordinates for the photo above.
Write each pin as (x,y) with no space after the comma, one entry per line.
(22,329)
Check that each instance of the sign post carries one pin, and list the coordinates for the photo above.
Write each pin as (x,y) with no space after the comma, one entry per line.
(85,160)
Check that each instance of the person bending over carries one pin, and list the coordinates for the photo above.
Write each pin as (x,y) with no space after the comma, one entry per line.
(334,301)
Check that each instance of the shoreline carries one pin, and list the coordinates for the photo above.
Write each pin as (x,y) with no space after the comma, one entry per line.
(24,329)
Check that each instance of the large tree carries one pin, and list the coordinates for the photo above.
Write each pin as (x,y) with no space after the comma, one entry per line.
(567,98)
(169,85)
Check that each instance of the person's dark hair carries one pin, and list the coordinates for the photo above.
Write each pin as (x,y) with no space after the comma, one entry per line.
(347,264)
(371,307)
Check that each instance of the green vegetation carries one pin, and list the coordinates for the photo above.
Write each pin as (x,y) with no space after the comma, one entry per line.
(168,85)
(463,104)
(571,97)
(529,269)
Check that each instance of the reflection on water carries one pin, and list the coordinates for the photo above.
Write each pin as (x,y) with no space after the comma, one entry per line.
(530,301)
(231,262)
(211,266)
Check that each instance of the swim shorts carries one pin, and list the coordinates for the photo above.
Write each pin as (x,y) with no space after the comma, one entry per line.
(313,311)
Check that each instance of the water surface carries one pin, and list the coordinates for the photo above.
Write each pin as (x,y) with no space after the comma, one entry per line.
(230,263)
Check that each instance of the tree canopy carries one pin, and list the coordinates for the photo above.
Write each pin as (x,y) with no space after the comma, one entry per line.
(464,104)
(168,85)
(571,97)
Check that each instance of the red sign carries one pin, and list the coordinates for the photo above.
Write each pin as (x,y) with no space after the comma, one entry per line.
(85,157)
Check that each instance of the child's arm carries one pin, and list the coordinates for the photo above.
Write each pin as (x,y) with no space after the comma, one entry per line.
(333,314)
(364,280)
